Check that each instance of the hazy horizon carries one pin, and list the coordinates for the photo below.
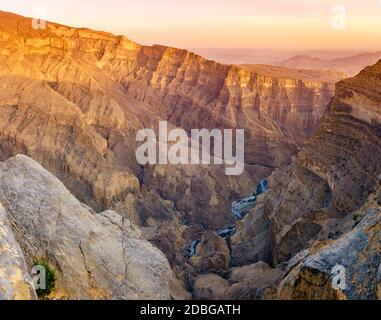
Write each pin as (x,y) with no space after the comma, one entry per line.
(222,24)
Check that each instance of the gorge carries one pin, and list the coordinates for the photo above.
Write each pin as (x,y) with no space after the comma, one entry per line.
(72,192)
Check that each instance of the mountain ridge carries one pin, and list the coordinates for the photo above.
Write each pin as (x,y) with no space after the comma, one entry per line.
(350,65)
(74,99)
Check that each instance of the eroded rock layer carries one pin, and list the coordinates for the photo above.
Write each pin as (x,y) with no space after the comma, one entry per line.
(114,83)
(94,255)
(74,99)
(326,201)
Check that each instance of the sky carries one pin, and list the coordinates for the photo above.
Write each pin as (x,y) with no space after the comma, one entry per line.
(256,24)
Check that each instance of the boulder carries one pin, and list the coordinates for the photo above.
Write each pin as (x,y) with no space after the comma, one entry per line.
(357,254)
(212,255)
(210,287)
(253,282)
(178,291)
(95,255)
(15,281)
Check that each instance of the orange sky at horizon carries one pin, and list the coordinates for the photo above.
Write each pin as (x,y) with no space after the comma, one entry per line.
(288,25)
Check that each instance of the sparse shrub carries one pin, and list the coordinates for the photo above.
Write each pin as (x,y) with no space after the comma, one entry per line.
(50,278)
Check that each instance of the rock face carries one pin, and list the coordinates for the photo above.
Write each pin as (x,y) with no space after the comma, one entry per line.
(324,208)
(329,76)
(96,256)
(331,177)
(75,99)
(253,240)
(358,253)
(212,255)
(253,282)
(15,281)
(210,287)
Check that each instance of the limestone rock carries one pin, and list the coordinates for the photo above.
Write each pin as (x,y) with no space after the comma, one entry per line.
(247,249)
(358,254)
(95,255)
(75,99)
(210,287)
(253,282)
(332,177)
(15,281)
(212,255)
(178,292)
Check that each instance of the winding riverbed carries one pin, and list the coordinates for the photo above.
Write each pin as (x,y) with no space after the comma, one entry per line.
(239,207)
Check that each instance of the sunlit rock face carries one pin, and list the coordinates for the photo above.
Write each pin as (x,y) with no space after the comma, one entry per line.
(357,254)
(73,99)
(316,197)
(15,280)
(94,255)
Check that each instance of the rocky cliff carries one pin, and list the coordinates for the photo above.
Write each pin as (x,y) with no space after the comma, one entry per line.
(15,281)
(94,255)
(73,99)
(324,208)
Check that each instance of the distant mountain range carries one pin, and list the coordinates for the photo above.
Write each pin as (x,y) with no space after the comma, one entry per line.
(346,63)
(74,196)
(350,65)
(265,56)
(329,76)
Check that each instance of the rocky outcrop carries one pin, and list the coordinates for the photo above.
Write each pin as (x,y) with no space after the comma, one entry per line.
(358,254)
(253,282)
(95,255)
(15,281)
(178,291)
(330,178)
(253,240)
(75,99)
(210,287)
(323,210)
(212,255)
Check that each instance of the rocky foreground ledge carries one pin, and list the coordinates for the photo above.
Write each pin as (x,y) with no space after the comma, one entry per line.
(95,255)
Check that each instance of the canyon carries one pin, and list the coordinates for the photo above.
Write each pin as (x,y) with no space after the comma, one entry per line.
(72,101)
(76,98)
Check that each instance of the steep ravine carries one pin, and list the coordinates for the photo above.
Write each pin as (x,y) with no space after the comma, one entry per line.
(324,209)
(74,99)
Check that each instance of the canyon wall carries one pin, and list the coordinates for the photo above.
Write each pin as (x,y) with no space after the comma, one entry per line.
(324,209)
(74,99)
